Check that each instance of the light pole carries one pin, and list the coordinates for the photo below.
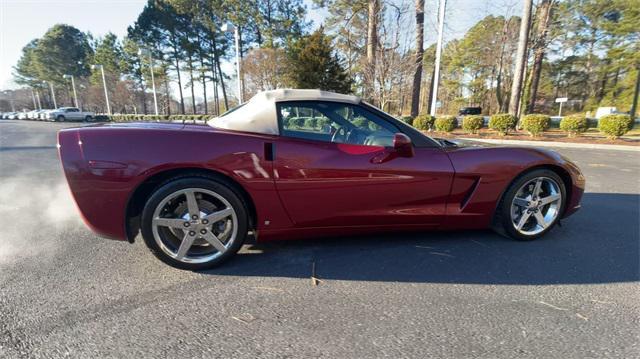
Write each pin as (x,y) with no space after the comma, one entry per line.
(53,94)
(228,27)
(104,84)
(38,99)
(142,52)
(436,72)
(33,97)
(73,85)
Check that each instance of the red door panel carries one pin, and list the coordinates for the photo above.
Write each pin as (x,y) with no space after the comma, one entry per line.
(330,184)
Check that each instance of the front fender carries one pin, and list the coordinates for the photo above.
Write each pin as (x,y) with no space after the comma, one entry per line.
(482,175)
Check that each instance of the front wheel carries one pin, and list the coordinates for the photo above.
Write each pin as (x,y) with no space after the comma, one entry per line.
(60,119)
(194,223)
(88,119)
(531,206)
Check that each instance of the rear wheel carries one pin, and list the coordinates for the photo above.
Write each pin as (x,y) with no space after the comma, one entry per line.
(531,206)
(194,223)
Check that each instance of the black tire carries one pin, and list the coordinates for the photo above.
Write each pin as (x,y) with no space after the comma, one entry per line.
(503,224)
(216,185)
(88,119)
(60,119)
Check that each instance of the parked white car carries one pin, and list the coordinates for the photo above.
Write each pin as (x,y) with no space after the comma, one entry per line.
(69,114)
(603,111)
(43,115)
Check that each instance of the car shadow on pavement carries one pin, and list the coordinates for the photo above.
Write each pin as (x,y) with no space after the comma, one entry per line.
(599,244)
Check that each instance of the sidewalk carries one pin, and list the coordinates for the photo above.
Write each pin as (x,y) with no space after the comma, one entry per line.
(555,144)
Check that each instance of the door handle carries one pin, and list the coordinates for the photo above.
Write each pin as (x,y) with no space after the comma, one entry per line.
(384,156)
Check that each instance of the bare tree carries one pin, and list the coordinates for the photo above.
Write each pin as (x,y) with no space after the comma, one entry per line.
(394,62)
(264,69)
(372,44)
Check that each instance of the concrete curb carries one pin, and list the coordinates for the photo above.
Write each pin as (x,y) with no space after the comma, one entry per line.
(556,144)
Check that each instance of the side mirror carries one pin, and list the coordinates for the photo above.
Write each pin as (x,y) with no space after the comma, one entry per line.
(402,144)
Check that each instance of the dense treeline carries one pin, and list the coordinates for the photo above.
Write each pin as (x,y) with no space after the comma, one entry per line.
(586,50)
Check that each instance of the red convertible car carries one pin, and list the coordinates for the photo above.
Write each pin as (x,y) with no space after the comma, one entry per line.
(302,163)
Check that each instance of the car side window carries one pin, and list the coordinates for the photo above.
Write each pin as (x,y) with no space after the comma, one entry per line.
(334,122)
(304,121)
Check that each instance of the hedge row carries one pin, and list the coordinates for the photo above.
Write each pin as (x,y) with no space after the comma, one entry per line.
(129,118)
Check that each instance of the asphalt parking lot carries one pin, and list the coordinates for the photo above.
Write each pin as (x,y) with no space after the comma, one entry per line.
(66,293)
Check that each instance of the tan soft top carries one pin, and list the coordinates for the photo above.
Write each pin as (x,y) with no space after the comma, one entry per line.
(258,115)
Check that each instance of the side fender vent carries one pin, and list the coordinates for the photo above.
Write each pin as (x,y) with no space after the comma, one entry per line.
(469,194)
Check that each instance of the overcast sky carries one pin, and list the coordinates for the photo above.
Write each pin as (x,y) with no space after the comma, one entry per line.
(24,20)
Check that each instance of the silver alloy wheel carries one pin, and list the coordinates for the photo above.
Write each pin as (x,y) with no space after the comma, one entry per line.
(194,225)
(536,205)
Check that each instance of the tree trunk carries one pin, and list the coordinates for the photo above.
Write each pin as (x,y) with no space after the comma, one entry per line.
(143,97)
(634,103)
(372,44)
(193,92)
(417,75)
(521,58)
(217,61)
(167,92)
(544,15)
(603,82)
(214,79)
(500,99)
(203,75)
(216,98)
(177,60)
(240,74)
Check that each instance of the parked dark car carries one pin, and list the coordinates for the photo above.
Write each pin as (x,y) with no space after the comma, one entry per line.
(470,111)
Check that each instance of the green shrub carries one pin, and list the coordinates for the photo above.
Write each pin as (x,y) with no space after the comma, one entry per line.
(322,123)
(407,119)
(424,122)
(503,123)
(472,123)
(446,123)
(296,122)
(310,122)
(615,126)
(360,122)
(574,125)
(535,124)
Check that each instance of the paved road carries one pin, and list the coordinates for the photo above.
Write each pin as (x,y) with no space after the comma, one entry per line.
(65,292)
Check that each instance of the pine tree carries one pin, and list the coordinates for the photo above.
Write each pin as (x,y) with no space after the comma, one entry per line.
(312,64)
